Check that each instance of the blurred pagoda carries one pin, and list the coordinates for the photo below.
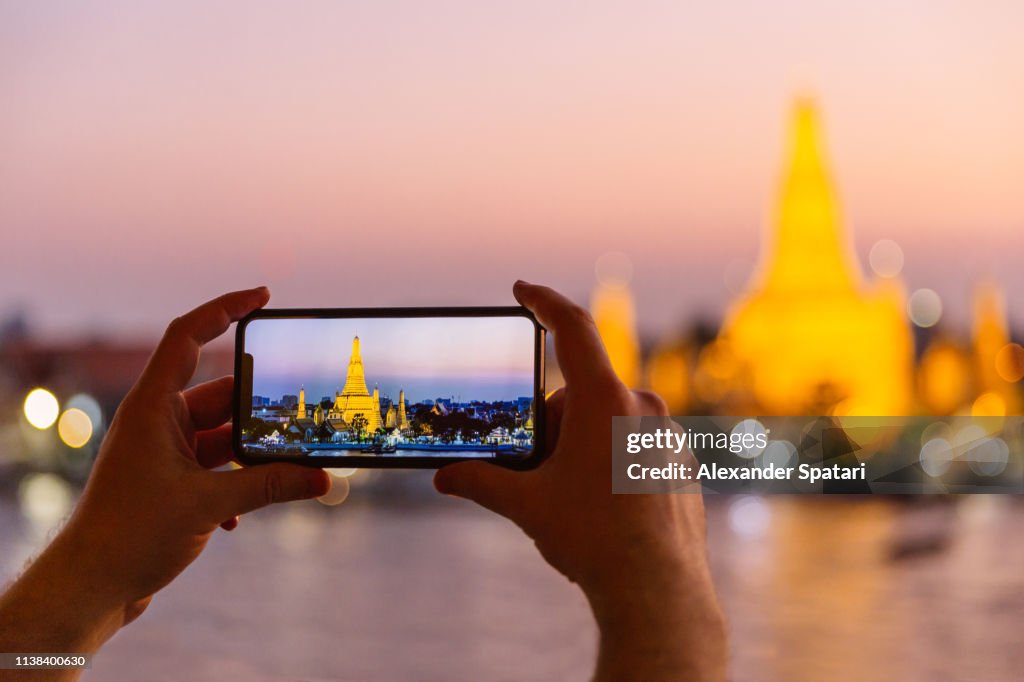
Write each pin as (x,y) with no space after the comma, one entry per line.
(996,393)
(810,336)
(613,309)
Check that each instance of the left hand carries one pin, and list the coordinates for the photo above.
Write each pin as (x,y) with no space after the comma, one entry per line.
(151,502)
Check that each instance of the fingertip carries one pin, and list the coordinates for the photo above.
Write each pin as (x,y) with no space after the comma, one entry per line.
(456,478)
(464,479)
(318,483)
(263,294)
(520,289)
(442,481)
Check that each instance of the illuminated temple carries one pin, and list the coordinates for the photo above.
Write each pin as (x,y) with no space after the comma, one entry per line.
(355,400)
(810,335)
(395,418)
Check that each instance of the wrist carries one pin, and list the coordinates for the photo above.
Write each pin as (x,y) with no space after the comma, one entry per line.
(661,621)
(62,603)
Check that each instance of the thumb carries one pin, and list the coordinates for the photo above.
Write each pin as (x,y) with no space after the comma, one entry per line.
(489,485)
(249,488)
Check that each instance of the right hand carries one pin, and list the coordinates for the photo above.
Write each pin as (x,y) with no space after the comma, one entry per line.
(640,559)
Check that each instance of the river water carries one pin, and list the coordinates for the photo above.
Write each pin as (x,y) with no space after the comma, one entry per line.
(401,583)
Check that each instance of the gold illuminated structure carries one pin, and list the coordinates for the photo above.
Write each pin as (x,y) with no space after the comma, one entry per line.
(355,399)
(981,378)
(810,336)
(395,417)
(301,411)
(613,311)
(612,307)
(996,396)
(668,374)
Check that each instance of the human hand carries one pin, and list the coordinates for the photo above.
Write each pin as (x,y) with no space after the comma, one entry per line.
(151,502)
(640,559)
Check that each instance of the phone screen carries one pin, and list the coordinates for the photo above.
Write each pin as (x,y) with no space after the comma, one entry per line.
(388,390)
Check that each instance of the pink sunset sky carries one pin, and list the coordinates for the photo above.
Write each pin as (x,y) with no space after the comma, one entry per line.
(475,358)
(414,153)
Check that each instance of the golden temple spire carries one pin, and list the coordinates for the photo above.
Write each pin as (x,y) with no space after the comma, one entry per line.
(301,413)
(403,422)
(991,335)
(808,337)
(612,306)
(355,381)
(809,249)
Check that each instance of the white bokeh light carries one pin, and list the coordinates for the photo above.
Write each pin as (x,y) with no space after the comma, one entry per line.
(886,258)
(749,516)
(45,499)
(989,457)
(936,456)
(749,427)
(41,408)
(778,454)
(924,308)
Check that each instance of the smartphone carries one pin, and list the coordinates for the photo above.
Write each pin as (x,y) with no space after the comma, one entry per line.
(389,387)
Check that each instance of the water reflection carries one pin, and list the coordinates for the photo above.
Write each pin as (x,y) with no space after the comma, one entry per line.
(401,583)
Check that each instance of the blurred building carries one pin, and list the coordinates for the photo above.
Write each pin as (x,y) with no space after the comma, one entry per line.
(614,314)
(979,375)
(995,395)
(810,335)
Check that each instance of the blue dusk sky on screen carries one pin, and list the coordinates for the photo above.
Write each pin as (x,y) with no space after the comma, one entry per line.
(469,358)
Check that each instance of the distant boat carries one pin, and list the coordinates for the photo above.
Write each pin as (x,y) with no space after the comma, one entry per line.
(379,449)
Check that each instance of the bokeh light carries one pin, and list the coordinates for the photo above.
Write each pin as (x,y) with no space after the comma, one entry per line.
(744,429)
(938,429)
(45,499)
(74,428)
(614,270)
(989,457)
(1010,362)
(41,408)
(338,493)
(778,454)
(886,258)
(968,436)
(924,308)
(749,516)
(936,456)
(86,403)
(989,404)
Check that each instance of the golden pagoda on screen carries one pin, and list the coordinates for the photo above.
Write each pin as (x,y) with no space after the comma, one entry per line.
(810,336)
(395,417)
(354,401)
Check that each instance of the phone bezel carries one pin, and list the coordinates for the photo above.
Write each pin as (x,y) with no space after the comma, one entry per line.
(384,461)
